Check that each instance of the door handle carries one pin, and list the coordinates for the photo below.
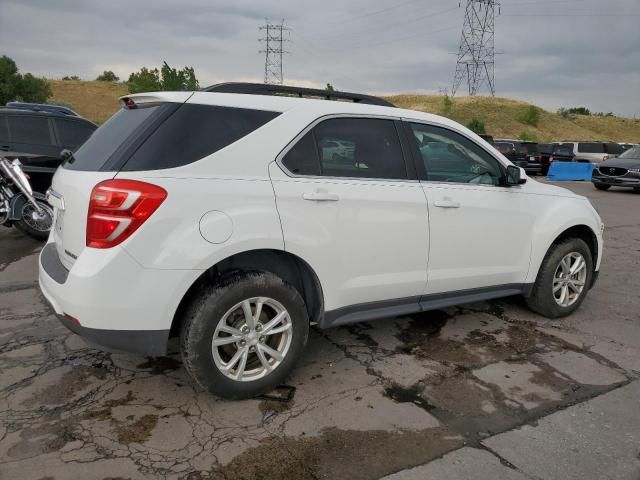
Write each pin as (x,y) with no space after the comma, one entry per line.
(446,203)
(321,197)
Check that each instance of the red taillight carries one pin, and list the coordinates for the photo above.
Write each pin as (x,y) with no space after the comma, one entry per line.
(117,208)
(73,319)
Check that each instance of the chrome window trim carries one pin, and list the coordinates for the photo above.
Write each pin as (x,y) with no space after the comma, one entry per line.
(318,120)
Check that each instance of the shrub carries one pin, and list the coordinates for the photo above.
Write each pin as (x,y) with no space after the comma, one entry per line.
(447,105)
(72,77)
(107,76)
(330,88)
(530,116)
(166,78)
(16,86)
(476,126)
(528,137)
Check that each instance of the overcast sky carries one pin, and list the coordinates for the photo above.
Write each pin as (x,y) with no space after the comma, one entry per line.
(581,52)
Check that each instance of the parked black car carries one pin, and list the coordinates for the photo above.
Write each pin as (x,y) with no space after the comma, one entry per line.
(521,153)
(554,152)
(623,171)
(37,138)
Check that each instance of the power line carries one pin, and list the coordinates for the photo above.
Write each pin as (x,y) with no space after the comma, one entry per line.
(476,54)
(274,41)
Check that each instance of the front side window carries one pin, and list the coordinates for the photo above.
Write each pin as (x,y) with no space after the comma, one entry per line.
(448,156)
(360,148)
(28,129)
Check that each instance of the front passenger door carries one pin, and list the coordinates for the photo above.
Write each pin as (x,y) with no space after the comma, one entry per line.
(480,230)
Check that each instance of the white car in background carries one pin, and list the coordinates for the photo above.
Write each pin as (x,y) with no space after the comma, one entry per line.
(217,217)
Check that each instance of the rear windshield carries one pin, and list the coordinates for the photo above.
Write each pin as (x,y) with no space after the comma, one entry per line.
(165,136)
(591,147)
(100,146)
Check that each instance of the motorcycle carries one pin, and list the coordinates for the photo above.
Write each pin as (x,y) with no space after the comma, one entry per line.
(20,205)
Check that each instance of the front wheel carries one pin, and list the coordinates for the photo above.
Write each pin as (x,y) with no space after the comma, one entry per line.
(563,280)
(599,186)
(33,223)
(243,336)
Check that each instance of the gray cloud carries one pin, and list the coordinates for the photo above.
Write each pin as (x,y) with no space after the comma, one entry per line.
(379,46)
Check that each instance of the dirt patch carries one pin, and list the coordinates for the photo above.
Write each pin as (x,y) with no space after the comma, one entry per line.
(45,438)
(331,455)
(138,431)
(160,365)
(269,407)
(63,390)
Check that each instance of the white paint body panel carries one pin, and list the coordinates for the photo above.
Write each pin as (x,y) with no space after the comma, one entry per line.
(381,240)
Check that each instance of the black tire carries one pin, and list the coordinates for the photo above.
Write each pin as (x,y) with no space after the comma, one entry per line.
(24,227)
(208,310)
(599,186)
(542,300)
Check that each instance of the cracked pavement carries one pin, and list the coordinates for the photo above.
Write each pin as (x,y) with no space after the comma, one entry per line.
(487,390)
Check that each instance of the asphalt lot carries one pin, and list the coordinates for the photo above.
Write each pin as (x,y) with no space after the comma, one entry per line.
(480,391)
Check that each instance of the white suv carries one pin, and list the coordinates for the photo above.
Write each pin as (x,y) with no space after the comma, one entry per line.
(216,217)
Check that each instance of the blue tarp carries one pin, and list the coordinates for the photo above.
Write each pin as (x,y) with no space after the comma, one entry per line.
(570,171)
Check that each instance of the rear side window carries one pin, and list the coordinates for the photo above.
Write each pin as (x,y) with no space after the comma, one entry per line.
(4,130)
(28,129)
(194,132)
(95,152)
(302,159)
(72,134)
(591,147)
(360,148)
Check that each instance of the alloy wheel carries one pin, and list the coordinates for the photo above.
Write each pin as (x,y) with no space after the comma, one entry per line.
(569,279)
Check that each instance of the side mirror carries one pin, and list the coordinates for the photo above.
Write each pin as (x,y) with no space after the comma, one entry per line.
(514,176)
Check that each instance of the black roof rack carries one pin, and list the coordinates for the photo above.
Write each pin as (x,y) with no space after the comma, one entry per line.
(42,107)
(269,89)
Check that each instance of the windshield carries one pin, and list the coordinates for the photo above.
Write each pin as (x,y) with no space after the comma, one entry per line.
(631,153)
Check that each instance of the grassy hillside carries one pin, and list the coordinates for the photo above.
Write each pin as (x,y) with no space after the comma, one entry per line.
(96,101)
(501,117)
(99,100)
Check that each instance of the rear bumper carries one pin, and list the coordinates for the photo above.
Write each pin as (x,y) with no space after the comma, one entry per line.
(146,342)
(118,303)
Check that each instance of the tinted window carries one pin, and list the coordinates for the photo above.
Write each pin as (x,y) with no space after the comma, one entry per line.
(566,150)
(451,157)
(4,131)
(94,153)
(359,147)
(504,147)
(302,159)
(193,132)
(28,129)
(73,134)
(614,148)
(591,147)
(530,148)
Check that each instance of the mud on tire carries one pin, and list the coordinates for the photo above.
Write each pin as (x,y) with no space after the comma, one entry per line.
(219,312)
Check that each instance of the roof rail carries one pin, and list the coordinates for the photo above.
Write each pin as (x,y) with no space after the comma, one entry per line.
(270,89)
(42,107)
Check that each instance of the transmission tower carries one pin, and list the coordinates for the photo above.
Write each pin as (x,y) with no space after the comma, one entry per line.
(274,50)
(476,55)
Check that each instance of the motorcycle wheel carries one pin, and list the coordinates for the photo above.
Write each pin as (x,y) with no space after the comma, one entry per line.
(34,224)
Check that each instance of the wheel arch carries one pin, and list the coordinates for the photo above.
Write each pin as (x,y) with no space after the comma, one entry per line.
(291,268)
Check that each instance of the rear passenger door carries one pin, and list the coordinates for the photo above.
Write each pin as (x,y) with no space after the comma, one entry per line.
(349,208)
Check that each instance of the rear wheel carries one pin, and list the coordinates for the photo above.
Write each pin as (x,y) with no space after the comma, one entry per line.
(34,223)
(563,280)
(242,337)
(599,186)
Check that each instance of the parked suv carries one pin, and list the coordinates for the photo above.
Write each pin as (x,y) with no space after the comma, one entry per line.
(216,217)
(37,134)
(521,153)
(594,152)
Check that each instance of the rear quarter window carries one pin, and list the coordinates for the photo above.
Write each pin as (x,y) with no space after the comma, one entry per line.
(72,133)
(591,147)
(194,132)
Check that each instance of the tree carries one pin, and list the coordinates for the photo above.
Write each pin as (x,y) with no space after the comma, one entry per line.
(15,86)
(447,105)
(72,77)
(167,78)
(476,126)
(107,76)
